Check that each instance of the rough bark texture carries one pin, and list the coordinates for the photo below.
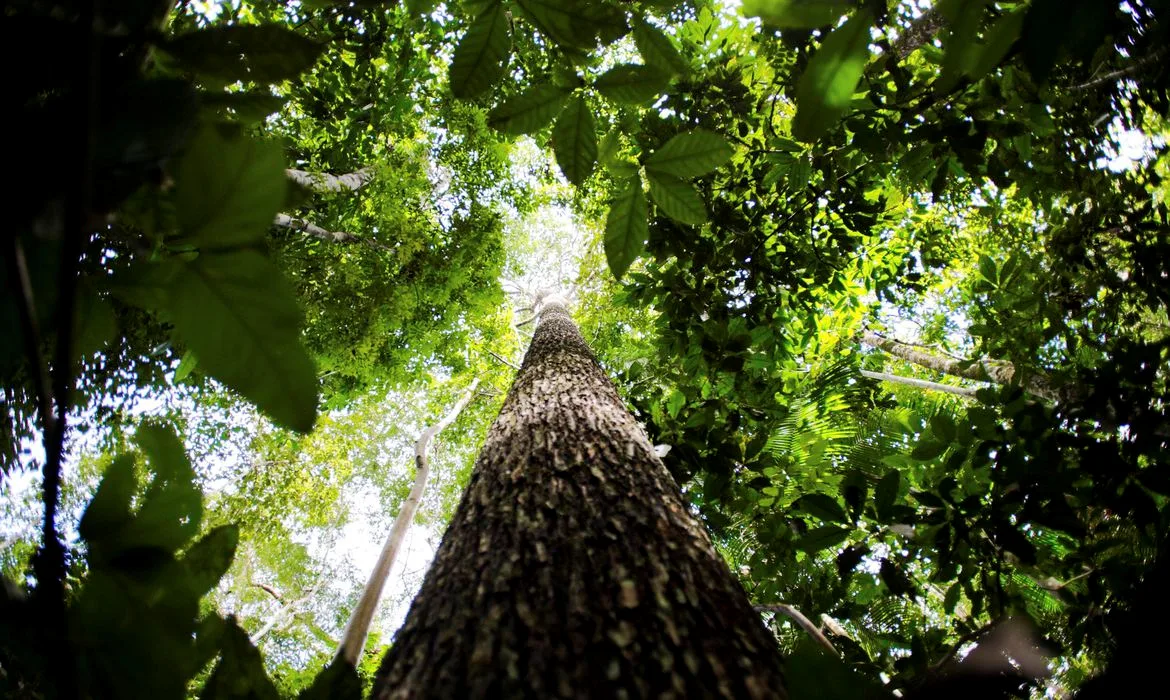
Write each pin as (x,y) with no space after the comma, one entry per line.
(573,567)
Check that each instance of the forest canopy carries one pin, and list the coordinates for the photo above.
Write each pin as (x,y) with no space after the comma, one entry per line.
(885,281)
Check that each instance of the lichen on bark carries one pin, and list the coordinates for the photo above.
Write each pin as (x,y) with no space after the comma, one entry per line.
(573,567)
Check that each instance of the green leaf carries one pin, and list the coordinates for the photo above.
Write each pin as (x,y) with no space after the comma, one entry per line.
(228,188)
(249,107)
(812,672)
(481,57)
(172,508)
(927,450)
(798,14)
(886,493)
(265,53)
(570,23)
(678,199)
(959,40)
(943,427)
(987,269)
(824,92)
(208,560)
(822,538)
(530,111)
(690,154)
(109,510)
(657,49)
(575,141)
(186,366)
(675,403)
(632,84)
(239,316)
(338,681)
(240,673)
(822,506)
(626,227)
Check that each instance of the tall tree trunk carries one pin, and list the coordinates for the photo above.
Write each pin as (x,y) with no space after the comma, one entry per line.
(573,567)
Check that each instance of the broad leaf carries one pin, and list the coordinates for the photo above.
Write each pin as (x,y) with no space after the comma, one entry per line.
(208,560)
(238,315)
(825,90)
(172,507)
(109,510)
(885,493)
(690,154)
(632,84)
(677,198)
(575,141)
(482,54)
(657,49)
(240,672)
(228,188)
(529,111)
(626,227)
(821,538)
(798,14)
(822,506)
(265,53)
(248,106)
(570,23)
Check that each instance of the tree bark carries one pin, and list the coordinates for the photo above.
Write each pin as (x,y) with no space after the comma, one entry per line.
(980,370)
(967,391)
(353,641)
(324,182)
(573,567)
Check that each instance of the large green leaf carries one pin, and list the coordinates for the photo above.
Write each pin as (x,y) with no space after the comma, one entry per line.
(265,53)
(573,24)
(575,141)
(798,14)
(109,509)
(822,506)
(825,90)
(632,84)
(228,188)
(657,49)
(239,316)
(690,154)
(626,227)
(482,54)
(172,508)
(208,560)
(822,538)
(677,198)
(530,110)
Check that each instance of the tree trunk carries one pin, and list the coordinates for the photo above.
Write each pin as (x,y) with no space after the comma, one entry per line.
(324,182)
(573,567)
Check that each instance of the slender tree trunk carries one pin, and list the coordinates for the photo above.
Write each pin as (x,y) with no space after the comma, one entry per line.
(354,639)
(573,567)
(980,370)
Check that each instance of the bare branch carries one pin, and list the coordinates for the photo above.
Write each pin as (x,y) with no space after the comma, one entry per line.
(307,227)
(504,361)
(968,392)
(804,623)
(1121,73)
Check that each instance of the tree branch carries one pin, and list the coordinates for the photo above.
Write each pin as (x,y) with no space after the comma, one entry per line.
(504,361)
(324,182)
(968,392)
(353,641)
(804,623)
(1122,72)
(309,228)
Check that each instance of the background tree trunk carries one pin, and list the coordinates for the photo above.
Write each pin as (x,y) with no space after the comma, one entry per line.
(573,567)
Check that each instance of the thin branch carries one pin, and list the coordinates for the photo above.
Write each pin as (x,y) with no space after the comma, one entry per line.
(968,392)
(1122,72)
(804,623)
(353,640)
(918,33)
(309,228)
(279,615)
(504,361)
(270,591)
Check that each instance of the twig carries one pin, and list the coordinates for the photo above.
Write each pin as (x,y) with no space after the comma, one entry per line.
(504,361)
(1122,72)
(269,590)
(804,623)
(968,392)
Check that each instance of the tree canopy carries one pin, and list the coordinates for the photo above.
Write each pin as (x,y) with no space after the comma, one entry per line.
(889,280)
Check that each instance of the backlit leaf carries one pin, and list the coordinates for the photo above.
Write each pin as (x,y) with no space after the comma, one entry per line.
(824,92)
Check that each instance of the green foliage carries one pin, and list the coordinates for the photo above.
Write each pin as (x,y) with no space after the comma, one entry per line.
(482,55)
(825,91)
(625,228)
